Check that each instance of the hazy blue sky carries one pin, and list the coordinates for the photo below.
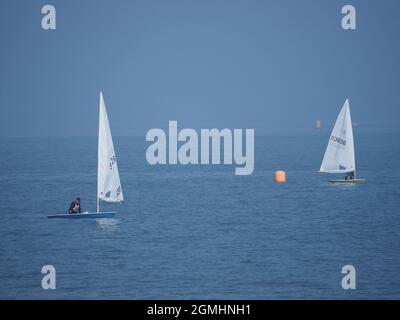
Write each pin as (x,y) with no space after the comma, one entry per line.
(237,64)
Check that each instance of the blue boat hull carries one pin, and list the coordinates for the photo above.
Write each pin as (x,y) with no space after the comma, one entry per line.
(88,215)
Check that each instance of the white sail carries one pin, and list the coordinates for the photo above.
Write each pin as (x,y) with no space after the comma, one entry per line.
(108,182)
(339,154)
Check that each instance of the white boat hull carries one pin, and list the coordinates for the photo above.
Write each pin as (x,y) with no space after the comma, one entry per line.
(348,181)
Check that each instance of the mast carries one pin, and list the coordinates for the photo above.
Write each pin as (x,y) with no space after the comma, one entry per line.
(98,153)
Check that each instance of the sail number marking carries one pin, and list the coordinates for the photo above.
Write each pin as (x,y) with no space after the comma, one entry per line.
(338,140)
(112,161)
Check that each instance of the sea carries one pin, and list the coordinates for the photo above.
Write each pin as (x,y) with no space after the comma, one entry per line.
(200,231)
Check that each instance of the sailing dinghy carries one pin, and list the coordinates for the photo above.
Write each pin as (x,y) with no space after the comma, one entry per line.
(339,155)
(108,182)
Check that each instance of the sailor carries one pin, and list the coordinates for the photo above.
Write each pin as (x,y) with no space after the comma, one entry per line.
(349,176)
(75,206)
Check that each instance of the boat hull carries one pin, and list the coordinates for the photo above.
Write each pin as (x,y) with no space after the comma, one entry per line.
(348,181)
(88,215)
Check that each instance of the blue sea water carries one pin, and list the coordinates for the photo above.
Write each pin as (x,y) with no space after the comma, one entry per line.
(200,232)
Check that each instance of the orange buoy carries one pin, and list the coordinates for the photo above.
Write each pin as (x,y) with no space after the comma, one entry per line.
(280,176)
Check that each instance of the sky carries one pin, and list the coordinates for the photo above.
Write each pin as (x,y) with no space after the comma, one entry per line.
(269,65)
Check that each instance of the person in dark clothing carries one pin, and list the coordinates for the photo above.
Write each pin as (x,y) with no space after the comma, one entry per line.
(75,206)
(349,176)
